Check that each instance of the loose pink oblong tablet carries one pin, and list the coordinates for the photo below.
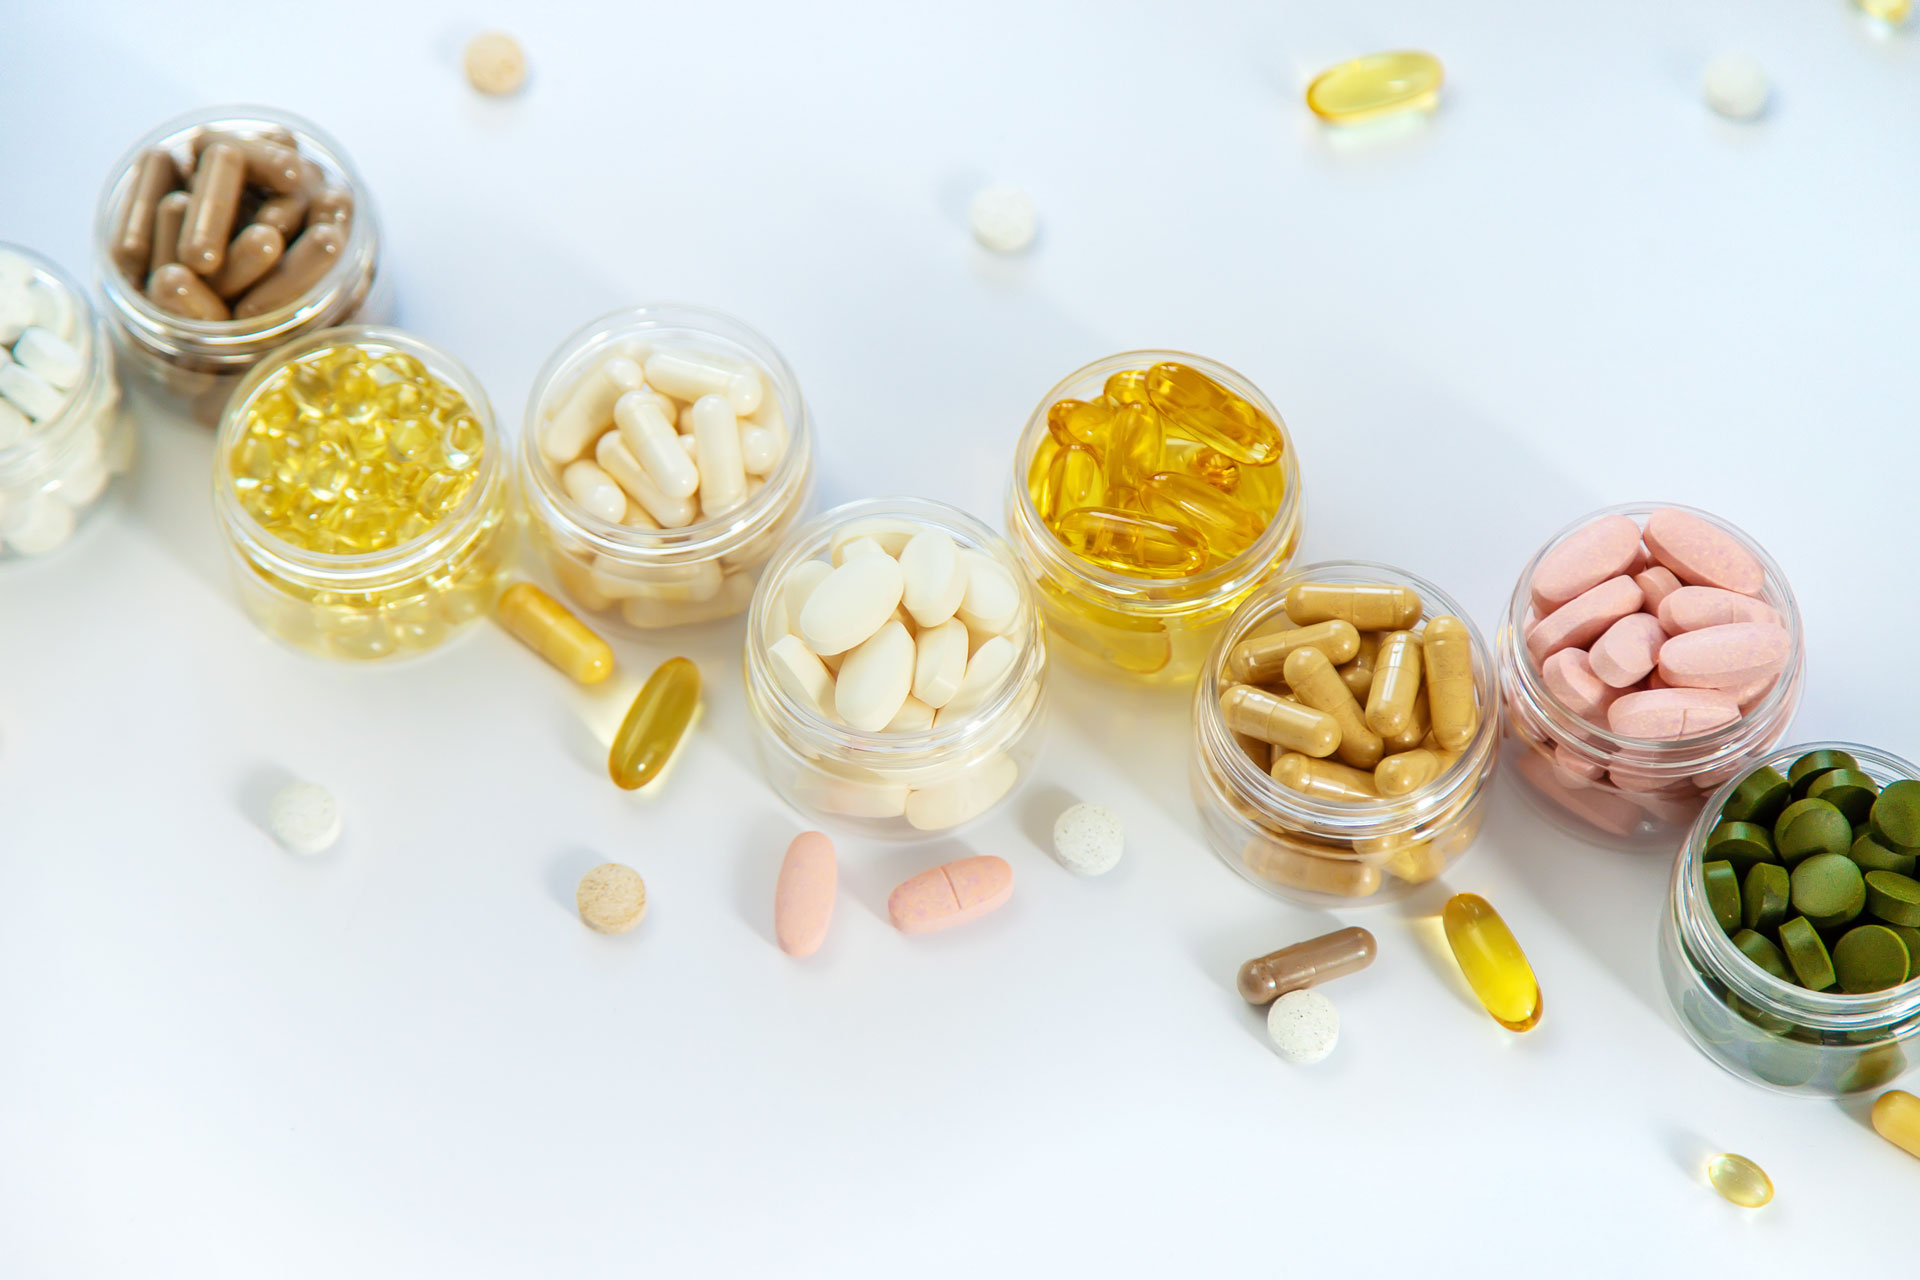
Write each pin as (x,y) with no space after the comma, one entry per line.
(1671,713)
(953,894)
(1580,621)
(1727,657)
(1628,650)
(1702,554)
(1569,676)
(1584,559)
(1696,608)
(1657,583)
(803,899)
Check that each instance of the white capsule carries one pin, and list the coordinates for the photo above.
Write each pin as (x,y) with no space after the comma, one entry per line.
(16,312)
(690,447)
(850,604)
(305,818)
(759,450)
(13,425)
(930,569)
(914,716)
(36,524)
(650,438)
(1003,218)
(770,416)
(30,393)
(1736,86)
(962,798)
(940,662)
(874,679)
(595,490)
(618,461)
(802,674)
(1304,1025)
(984,670)
(1087,838)
(991,605)
(55,360)
(54,309)
(688,375)
(783,613)
(723,474)
(586,410)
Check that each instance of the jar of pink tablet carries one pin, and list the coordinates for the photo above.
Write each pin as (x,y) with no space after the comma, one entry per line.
(1650,652)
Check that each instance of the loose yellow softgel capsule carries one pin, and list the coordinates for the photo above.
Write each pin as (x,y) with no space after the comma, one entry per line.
(656,722)
(1739,1180)
(549,628)
(1381,84)
(351,449)
(1495,966)
(1896,1117)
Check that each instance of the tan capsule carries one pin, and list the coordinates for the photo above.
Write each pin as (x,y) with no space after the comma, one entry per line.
(1407,771)
(549,628)
(1305,964)
(1260,659)
(155,175)
(285,214)
(1368,606)
(1294,870)
(250,256)
(1415,734)
(1396,683)
(1323,779)
(213,205)
(1315,682)
(1450,700)
(176,290)
(332,204)
(1358,673)
(1418,862)
(1274,719)
(299,269)
(268,133)
(166,230)
(280,169)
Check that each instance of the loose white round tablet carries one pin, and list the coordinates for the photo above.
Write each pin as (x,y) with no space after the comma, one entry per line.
(1737,87)
(305,818)
(1003,218)
(1088,838)
(1304,1026)
(495,63)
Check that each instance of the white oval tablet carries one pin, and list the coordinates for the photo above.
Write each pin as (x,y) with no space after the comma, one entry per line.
(850,604)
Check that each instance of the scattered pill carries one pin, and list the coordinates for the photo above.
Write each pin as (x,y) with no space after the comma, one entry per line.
(803,900)
(1088,838)
(1490,957)
(495,64)
(1736,86)
(1376,86)
(305,818)
(1305,964)
(951,895)
(544,625)
(1739,1181)
(1003,218)
(612,898)
(1304,1026)
(655,724)
(1896,1117)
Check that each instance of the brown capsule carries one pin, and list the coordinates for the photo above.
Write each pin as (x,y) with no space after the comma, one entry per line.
(300,268)
(267,133)
(1405,772)
(1396,683)
(1368,606)
(155,175)
(213,207)
(166,230)
(1450,691)
(331,204)
(250,256)
(1323,779)
(1358,674)
(1260,659)
(1315,682)
(1296,870)
(1274,719)
(285,214)
(175,289)
(1305,964)
(1415,734)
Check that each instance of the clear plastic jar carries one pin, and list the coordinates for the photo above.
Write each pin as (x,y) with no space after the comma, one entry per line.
(1762,1028)
(634,572)
(894,785)
(1325,852)
(1573,770)
(390,603)
(1154,629)
(192,365)
(54,468)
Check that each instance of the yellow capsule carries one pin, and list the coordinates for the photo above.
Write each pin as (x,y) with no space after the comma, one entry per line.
(1133,445)
(1370,606)
(1227,526)
(1495,966)
(548,628)
(1218,470)
(1896,1117)
(1201,409)
(1378,85)
(1314,681)
(656,722)
(1261,659)
(1415,734)
(1127,386)
(1323,779)
(1040,477)
(1450,700)
(1294,869)
(1405,772)
(1740,1181)
(1358,674)
(1132,544)
(1396,684)
(1273,719)
(1076,480)
(1079,421)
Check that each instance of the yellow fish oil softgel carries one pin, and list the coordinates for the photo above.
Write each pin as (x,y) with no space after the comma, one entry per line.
(1492,961)
(659,718)
(1373,87)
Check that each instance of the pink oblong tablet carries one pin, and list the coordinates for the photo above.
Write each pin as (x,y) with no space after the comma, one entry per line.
(1584,559)
(803,899)
(1671,713)
(1581,620)
(1726,657)
(1656,582)
(1702,554)
(1696,608)
(953,894)
(1628,650)
(1570,677)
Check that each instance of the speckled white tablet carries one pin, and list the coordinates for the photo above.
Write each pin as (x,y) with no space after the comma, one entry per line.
(1736,86)
(305,818)
(1003,218)
(1088,838)
(1304,1025)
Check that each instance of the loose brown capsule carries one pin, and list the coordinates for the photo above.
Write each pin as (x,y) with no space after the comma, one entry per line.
(1260,659)
(1396,683)
(179,291)
(1368,606)
(154,176)
(251,255)
(166,231)
(1315,682)
(1304,964)
(1273,719)
(298,270)
(212,207)
(1450,700)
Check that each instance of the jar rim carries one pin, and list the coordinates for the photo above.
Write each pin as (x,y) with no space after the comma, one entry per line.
(1688,754)
(923,746)
(705,537)
(363,568)
(1388,814)
(48,445)
(255,334)
(1704,940)
(1170,596)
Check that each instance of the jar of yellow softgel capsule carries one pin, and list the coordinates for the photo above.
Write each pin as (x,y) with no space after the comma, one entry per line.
(361,491)
(1152,491)
(1344,735)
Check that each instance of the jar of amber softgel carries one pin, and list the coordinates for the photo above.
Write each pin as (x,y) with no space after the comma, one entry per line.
(361,489)
(1152,491)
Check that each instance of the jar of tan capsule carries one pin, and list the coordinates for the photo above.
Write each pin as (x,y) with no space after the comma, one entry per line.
(223,234)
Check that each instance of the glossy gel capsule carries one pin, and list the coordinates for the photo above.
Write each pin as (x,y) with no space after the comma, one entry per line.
(1490,957)
(661,713)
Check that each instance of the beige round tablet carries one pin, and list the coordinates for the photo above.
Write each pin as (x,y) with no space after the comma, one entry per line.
(495,63)
(612,898)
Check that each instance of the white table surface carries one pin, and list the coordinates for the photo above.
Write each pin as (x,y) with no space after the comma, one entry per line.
(1573,287)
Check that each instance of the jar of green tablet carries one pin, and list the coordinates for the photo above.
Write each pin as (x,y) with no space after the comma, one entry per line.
(1790,947)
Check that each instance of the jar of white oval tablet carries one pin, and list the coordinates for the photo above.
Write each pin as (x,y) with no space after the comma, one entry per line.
(666,451)
(895,669)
